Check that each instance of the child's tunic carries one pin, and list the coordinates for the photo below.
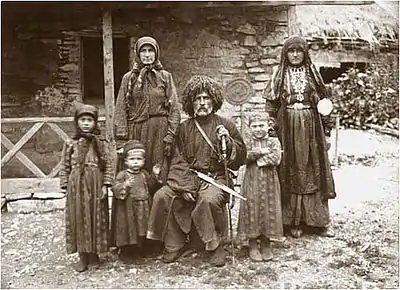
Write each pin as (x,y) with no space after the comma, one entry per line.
(86,216)
(261,214)
(131,214)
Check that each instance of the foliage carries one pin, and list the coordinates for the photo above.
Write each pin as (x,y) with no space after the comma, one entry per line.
(369,97)
(51,102)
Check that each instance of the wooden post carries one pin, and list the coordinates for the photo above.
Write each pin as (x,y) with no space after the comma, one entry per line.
(108,74)
(292,20)
(336,154)
(109,87)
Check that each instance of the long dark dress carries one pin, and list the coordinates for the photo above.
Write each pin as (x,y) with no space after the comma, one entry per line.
(86,215)
(305,173)
(261,213)
(148,120)
(132,207)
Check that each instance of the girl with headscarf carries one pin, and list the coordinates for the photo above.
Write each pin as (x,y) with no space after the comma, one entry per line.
(147,106)
(305,174)
(86,177)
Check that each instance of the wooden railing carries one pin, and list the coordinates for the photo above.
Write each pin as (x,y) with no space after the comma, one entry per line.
(42,183)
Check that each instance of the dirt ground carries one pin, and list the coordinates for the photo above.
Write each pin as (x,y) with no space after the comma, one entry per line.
(363,254)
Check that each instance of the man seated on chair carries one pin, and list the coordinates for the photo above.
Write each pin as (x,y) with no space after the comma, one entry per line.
(186,202)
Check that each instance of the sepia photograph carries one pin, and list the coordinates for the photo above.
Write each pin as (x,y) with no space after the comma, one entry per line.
(200,144)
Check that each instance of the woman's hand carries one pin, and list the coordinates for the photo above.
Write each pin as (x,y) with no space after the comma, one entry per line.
(156,169)
(120,150)
(328,142)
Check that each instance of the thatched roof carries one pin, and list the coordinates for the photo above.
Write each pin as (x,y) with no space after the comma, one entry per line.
(376,23)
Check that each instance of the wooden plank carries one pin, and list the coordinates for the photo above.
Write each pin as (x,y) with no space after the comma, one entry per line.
(12,186)
(22,157)
(59,131)
(42,119)
(108,74)
(55,170)
(28,135)
(292,20)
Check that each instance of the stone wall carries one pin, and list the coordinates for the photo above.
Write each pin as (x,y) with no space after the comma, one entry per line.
(224,43)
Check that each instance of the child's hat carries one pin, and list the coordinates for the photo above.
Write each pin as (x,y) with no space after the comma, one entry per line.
(82,109)
(133,144)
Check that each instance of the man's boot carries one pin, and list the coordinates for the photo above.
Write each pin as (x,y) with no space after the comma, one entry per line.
(218,257)
(296,232)
(83,262)
(254,252)
(170,257)
(266,251)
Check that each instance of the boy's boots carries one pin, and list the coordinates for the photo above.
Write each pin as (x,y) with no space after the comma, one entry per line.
(266,251)
(83,262)
(254,252)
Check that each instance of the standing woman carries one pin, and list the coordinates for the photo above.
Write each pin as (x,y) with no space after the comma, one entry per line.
(305,173)
(147,106)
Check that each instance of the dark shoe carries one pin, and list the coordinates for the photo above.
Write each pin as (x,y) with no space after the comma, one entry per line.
(254,252)
(296,232)
(326,232)
(218,257)
(82,264)
(94,259)
(171,257)
(124,255)
(266,251)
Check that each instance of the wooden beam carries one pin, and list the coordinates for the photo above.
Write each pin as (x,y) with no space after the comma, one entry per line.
(42,119)
(12,186)
(108,74)
(60,132)
(55,170)
(22,157)
(28,135)
(292,20)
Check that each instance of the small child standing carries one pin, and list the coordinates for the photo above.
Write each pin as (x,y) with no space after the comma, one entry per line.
(85,177)
(132,200)
(260,217)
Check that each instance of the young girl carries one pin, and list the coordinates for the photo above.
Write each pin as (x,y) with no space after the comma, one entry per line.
(260,217)
(85,177)
(132,197)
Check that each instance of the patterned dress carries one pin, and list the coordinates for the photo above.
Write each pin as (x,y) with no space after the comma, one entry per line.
(261,213)
(305,173)
(86,215)
(132,207)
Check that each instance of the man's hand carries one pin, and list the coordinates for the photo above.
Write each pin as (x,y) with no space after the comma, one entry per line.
(63,191)
(222,131)
(232,201)
(188,197)
(104,192)
(120,150)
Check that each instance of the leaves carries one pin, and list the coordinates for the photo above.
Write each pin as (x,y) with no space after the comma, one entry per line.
(368,98)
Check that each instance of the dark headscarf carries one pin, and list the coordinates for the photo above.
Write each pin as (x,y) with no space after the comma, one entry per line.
(92,137)
(198,84)
(142,79)
(279,78)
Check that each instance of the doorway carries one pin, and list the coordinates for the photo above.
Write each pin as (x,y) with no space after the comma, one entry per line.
(93,70)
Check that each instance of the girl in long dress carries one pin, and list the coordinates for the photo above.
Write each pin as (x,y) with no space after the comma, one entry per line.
(260,216)
(86,177)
